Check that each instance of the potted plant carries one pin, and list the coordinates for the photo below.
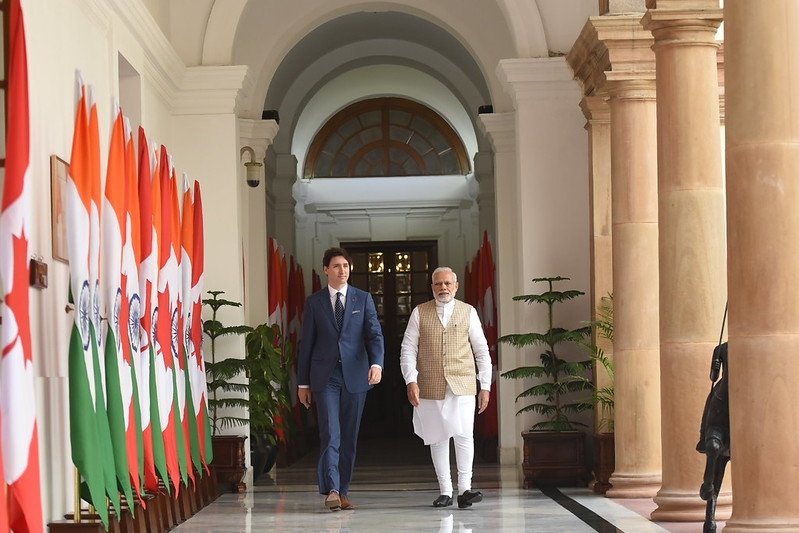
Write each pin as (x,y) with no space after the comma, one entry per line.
(259,375)
(554,448)
(269,402)
(603,395)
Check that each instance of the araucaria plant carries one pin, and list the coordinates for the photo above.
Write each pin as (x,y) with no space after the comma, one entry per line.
(223,392)
(560,396)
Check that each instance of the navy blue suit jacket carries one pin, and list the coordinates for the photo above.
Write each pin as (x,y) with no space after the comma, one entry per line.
(359,346)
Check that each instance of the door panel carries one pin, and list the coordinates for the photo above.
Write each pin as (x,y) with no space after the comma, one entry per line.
(397,274)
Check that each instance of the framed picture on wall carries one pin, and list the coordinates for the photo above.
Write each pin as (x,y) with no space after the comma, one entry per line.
(59,169)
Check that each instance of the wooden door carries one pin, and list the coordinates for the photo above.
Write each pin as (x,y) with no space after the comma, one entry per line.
(397,274)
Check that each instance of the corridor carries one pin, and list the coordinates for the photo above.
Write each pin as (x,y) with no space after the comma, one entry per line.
(393,491)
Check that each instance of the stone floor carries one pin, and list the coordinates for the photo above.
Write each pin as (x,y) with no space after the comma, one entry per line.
(393,491)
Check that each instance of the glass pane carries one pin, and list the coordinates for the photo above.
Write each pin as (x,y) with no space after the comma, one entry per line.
(370,118)
(340,165)
(420,299)
(376,262)
(403,261)
(421,282)
(333,144)
(371,135)
(419,261)
(376,283)
(349,128)
(403,304)
(403,283)
(396,116)
(378,303)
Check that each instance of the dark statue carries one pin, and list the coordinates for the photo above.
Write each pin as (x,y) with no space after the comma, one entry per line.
(714,436)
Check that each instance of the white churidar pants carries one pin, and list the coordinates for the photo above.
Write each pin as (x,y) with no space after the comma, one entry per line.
(436,421)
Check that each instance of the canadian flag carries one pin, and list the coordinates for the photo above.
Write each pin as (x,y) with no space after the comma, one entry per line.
(19,434)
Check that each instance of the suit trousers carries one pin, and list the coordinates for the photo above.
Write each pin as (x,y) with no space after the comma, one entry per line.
(339,415)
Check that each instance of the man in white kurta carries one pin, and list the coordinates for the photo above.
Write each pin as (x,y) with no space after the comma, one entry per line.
(442,342)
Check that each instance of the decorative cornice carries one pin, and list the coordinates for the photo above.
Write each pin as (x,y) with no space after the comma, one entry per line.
(500,129)
(537,79)
(162,66)
(210,90)
(612,47)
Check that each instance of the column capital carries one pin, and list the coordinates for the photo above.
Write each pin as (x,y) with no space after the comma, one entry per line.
(500,129)
(211,90)
(536,79)
(683,22)
(596,109)
(612,47)
(257,134)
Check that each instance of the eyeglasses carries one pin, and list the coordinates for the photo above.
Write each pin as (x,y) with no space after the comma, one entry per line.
(444,283)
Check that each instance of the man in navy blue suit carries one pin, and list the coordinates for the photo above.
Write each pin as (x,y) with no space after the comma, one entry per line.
(340,359)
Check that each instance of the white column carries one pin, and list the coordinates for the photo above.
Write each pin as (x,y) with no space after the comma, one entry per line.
(501,131)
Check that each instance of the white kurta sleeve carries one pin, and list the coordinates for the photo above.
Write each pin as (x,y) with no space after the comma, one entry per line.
(480,348)
(410,348)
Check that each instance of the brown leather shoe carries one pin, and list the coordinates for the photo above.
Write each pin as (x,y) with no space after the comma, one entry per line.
(346,503)
(333,501)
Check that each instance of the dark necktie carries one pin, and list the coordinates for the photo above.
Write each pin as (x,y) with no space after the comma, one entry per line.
(339,308)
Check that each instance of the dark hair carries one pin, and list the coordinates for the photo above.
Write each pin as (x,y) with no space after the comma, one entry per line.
(330,253)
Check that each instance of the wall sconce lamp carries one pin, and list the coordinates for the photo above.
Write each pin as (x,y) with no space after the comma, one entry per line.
(253,167)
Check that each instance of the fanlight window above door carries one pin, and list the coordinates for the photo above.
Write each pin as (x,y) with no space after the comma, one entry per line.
(386,137)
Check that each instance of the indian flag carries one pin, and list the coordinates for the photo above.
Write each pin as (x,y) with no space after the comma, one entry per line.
(188,357)
(119,386)
(167,317)
(197,267)
(150,218)
(84,395)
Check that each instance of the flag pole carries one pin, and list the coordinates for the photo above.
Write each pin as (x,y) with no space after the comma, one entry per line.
(76,514)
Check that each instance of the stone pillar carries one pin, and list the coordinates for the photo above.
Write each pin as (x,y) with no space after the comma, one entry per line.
(692,241)
(597,112)
(635,286)
(281,201)
(613,55)
(762,93)
(500,129)
(486,197)
(258,135)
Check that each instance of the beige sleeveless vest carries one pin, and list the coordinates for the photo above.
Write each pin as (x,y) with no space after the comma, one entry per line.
(445,354)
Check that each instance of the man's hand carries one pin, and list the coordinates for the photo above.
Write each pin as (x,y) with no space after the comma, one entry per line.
(375,374)
(304,396)
(482,401)
(413,394)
